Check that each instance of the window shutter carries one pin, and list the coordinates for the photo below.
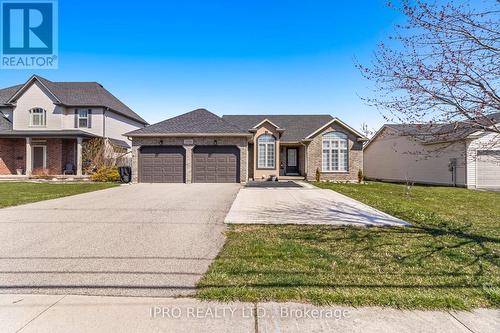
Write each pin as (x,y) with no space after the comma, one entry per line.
(76,118)
(89,118)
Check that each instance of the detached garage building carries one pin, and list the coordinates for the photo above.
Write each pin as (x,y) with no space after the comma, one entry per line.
(196,147)
(454,154)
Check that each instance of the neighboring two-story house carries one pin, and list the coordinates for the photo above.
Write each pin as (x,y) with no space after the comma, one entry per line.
(43,124)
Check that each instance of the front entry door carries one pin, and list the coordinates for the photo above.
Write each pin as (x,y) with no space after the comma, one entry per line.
(39,157)
(292,165)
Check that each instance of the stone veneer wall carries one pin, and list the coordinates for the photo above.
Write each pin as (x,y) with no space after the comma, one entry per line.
(315,152)
(240,142)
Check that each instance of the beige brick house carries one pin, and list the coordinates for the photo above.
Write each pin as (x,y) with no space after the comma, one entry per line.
(200,146)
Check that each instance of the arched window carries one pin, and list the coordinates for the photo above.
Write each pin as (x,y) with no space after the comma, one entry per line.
(335,154)
(38,117)
(266,151)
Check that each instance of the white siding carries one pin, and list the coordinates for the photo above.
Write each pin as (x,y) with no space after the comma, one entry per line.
(489,141)
(36,97)
(96,123)
(117,125)
(394,157)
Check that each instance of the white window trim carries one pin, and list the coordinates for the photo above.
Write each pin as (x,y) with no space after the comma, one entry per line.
(331,150)
(43,116)
(81,118)
(266,153)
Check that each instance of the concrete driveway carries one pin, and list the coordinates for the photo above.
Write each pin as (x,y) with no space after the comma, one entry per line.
(144,239)
(306,205)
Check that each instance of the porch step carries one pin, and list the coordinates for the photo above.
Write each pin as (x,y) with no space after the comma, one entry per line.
(292,178)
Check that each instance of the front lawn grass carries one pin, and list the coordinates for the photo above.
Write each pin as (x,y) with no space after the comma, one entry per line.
(448,259)
(18,193)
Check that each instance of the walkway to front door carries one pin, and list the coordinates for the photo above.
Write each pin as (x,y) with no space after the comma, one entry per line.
(304,206)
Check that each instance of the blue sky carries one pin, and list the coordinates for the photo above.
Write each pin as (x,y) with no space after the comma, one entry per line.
(164,58)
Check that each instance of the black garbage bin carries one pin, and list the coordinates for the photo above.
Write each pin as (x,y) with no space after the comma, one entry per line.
(125,174)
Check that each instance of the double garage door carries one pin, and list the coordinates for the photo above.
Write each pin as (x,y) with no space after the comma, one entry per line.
(210,164)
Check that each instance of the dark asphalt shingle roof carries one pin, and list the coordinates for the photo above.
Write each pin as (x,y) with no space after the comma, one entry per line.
(5,124)
(46,133)
(79,94)
(6,93)
(194,122)
(297,127)
(119,143)
(432,133)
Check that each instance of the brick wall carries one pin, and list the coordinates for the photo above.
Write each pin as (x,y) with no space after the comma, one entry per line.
(68,151)
(315,152)
(54,156)
(240,142)
(12,155)
(19,154)
(6,157)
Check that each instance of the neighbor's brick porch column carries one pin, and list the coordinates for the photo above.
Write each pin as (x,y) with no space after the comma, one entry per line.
(189,159)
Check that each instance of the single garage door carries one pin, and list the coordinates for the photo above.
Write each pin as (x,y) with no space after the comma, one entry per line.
(216,164)
(488,168)
(162,164)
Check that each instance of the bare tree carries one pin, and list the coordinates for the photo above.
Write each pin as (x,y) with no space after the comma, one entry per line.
(100,153)
(365,129)
(442,66)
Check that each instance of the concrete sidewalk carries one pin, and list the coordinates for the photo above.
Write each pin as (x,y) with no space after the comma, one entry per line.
(40,313)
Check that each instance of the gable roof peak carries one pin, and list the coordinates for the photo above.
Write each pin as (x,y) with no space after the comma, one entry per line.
(267,121)
(73,94)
